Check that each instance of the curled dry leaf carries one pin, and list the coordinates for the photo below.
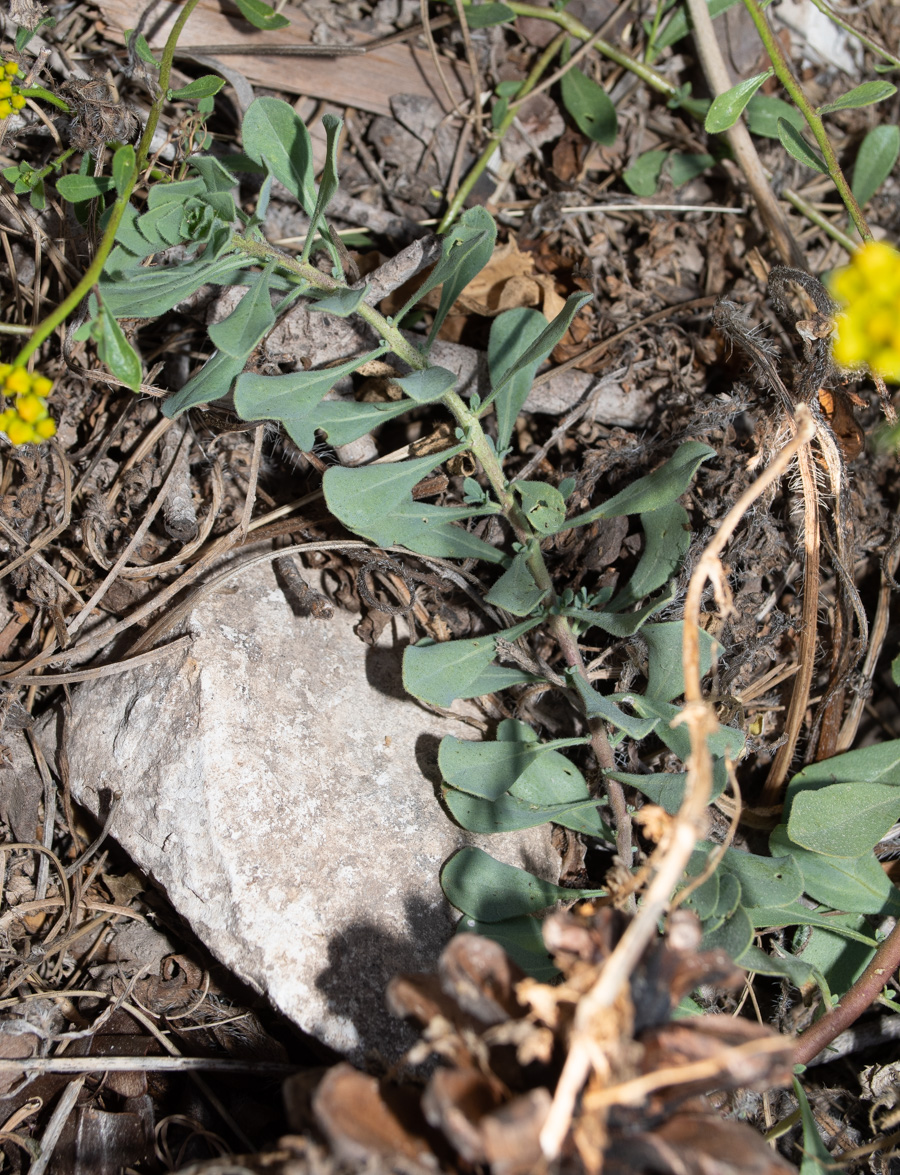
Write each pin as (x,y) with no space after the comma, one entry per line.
(502,1040)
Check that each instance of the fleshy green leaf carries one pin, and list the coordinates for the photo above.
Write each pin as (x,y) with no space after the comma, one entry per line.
(684,166)
(879,763)
(589,105)
(797,147)
(212,381)
(764,111)
(328,185)
(291,399)
(344,421)
(521,939)
(490,891)
(777,917)
(75,188)
(341,303)
(138,42)
(428,385)
(538,350)
(148,292)
(667,789)
(844,820)
(864,95)
(261,15)
(799,973)
(515,591)
(765,881)
(619,623)
(116,351)
(727,108)
(512,333)
(376,501)
(274,135)
(596,705)
(488,769)
(206,87)
(250,321)
(124,166)
(482,16)
(875,161)
(441,673)
(840,960)
(660,488)
(724,741)
(665,675)
(854,885)
(733,936)
(643,176)
(667,536)
(510,814)
(543,504)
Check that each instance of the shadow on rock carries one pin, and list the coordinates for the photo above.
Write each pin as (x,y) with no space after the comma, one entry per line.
(362,958)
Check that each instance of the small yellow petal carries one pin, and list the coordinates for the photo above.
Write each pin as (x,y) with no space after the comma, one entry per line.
(46,428)
(17,102)
(31,408)
(20,433)
(18,382)
(11,67)
(41,386)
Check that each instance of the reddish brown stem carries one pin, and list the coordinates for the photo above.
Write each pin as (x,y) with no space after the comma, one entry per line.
(861,996)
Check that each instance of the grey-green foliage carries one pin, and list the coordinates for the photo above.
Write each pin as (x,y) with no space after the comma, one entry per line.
(193,232)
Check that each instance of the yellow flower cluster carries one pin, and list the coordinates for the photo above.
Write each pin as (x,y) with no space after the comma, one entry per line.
(11,97)
(868,325)
(29,418)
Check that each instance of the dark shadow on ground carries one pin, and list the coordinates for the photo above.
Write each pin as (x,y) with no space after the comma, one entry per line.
(384,670)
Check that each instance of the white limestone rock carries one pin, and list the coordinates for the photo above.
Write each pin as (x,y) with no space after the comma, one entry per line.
(271,782)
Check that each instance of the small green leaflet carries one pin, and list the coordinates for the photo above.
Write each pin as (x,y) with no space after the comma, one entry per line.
(879,763)
(75,188)
(619,623)
(250,321)
(643,176)
(488,769)
(376,501)
(512,333)
(854,885)
(727,108)
(342,302)
(596,705)
(796,146)
(441,673)
(428,385)
(212,381)
(328,185)
(543,504)
(875,161)
(864,95)
(124,168)
(482,16)
(112,346)
(764,111)
(292,399)
(274,135)
(515,591)
(261,15)
(667,536)
(660,488)
(665,675)
(844,820)
(511,814)
(148,292)
(588,104)
(206,87)
(490,891)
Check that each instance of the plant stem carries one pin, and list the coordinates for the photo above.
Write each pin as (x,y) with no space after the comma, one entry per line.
(857,1000)
(786,77)
(826,10)
(475,172)
(91,276)
(485,453)
(820,221)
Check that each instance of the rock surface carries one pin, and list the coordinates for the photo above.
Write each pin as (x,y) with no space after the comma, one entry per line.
(279,785)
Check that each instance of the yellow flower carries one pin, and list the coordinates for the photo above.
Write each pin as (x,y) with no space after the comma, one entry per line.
(867,328)
(11,68)
(28,420)
(11,97)
(17,101)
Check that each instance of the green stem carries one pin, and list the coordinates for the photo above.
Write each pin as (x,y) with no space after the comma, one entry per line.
(861,37)
(463,191)
(816,217)
(806,108)
(486,455)
(91,276)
